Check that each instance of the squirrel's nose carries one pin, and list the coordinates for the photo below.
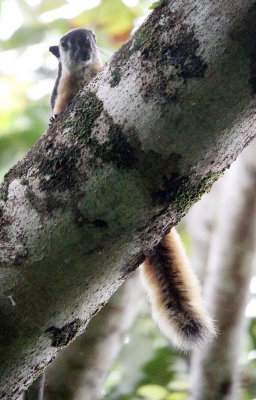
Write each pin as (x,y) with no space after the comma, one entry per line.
(85,55)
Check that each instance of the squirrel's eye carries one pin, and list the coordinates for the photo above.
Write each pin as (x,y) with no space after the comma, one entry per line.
(64,45)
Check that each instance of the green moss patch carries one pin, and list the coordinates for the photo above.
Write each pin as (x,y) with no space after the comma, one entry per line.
(86,111)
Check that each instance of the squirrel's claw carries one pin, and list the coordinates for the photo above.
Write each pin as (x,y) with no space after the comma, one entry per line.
(52,120)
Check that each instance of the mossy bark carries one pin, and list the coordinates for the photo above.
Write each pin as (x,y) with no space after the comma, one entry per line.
(118,169)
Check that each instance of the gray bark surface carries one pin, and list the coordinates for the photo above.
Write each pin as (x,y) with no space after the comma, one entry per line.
(79,371)
(215,369)
(118,169)
(36,391)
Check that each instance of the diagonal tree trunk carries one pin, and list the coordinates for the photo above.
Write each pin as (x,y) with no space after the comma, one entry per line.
(121,165)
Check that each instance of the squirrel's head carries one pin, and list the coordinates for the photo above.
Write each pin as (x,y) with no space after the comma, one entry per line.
(77,49)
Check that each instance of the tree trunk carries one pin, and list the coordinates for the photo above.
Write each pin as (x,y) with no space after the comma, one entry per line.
(214,372)
(118,169)
(36,391)
(79,370)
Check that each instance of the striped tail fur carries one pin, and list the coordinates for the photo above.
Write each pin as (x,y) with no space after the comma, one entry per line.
(174,294)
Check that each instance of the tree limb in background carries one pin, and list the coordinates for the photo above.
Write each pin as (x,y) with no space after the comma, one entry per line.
(119,168)
(214,372)
(200,223)
(79,371)
(36,391)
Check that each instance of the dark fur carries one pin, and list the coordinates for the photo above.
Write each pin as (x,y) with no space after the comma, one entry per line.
(82,43)
(55,89)
(173,293)
(55,51)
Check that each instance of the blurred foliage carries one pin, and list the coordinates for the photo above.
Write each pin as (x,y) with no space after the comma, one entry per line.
(147,367)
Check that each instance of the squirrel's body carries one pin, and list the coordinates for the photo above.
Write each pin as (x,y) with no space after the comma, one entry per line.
(68,86)
(170,282)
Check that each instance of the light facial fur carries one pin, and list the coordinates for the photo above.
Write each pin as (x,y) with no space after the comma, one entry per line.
(78,50)
(79,61)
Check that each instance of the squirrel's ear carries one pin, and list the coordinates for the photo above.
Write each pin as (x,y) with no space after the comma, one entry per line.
(55,51)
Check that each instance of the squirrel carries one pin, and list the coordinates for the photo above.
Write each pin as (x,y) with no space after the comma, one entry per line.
(170,282)
(78,62)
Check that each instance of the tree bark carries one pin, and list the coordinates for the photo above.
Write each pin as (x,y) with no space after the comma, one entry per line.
(118,169)
(36,391)
(79,370)
(215,369)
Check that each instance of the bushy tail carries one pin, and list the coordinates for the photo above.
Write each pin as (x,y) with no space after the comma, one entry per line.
(174,293)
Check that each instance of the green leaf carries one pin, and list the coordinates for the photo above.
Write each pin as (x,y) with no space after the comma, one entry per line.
(156,4)
(159,370)
(49,5)
(25,36)
(178,385)
(153,392)
(177,396)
